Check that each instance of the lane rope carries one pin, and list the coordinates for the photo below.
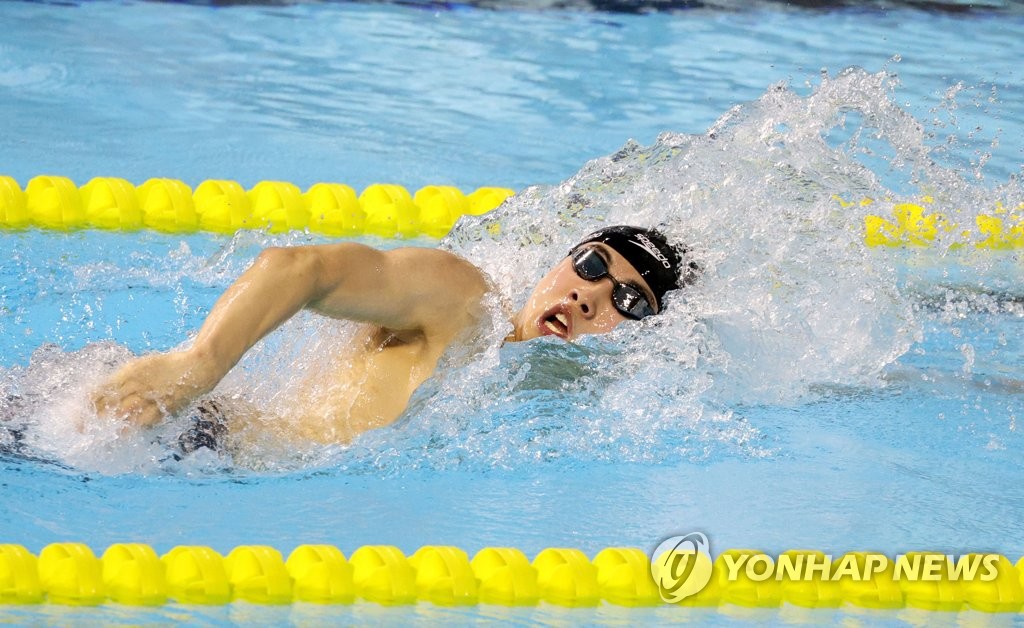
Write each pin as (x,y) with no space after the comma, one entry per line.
(223,206)
(133,574)
(391,211)
(911,225)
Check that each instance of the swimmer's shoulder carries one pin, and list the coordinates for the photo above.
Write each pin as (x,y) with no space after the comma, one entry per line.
(450,290)
(415,271)
(440,269)
(403,289)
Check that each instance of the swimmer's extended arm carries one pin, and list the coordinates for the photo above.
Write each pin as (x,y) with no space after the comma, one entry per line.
(408,289)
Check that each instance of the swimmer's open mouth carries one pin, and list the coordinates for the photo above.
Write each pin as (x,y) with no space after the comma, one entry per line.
(556,322)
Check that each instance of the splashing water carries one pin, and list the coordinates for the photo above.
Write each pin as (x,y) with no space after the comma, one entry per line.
(787,279)
(790,302)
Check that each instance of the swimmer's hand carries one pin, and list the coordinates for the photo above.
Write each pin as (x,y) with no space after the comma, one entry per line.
(152,387)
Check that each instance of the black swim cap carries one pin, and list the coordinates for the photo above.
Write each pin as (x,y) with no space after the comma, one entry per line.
(658,262)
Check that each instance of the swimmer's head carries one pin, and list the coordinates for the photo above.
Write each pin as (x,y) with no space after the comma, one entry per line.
(613,275)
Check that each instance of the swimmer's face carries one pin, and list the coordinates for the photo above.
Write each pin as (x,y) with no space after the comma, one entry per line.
(564,304)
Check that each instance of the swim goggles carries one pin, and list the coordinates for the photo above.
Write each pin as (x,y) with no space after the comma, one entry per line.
(627,299)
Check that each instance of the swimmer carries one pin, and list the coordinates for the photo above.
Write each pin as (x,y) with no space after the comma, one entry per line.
(415,302)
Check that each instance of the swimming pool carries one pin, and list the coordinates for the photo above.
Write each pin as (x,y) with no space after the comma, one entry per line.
(817,393)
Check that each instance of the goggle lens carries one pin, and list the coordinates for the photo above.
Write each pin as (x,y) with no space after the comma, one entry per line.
(629,301)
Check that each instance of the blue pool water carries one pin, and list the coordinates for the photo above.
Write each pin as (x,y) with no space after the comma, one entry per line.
(810,393)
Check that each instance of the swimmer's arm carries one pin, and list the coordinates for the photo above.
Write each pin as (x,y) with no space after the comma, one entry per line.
(411,289)
(406,289)
(276,286)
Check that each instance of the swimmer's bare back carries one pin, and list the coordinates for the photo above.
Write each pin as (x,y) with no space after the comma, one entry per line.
(415,301)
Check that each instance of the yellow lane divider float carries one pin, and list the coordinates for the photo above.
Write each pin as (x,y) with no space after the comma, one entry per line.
(913,225)
(133,574)
(385,210)
(223,206)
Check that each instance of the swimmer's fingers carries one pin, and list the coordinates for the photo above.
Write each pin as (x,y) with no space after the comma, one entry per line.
(105,400)
(107,396)
(109,400)
(140,410)
(147,389)
(113,397)
(133,407)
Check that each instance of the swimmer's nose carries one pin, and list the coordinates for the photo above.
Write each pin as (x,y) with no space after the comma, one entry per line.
(585,300)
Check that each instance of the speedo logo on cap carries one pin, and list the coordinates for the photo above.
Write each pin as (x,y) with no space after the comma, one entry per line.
(646,244)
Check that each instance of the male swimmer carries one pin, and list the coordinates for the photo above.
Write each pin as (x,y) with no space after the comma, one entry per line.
(415,302)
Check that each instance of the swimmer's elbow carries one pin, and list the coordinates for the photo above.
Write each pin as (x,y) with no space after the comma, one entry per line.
(295,268)
(278,258)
